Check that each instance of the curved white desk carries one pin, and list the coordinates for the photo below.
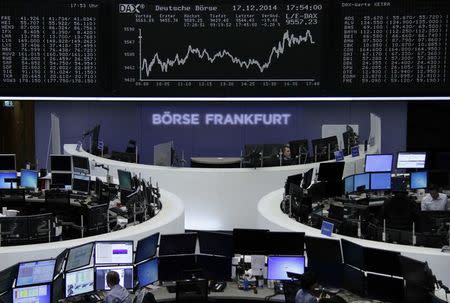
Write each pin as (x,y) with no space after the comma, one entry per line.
(271,217)
(215,199)
(168,221)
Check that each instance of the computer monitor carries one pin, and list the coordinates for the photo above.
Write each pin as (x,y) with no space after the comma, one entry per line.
(146,248)
(384,288)
(285,243)
(382,261)
(147,272)
(172,268)
(58,289)
(353,254)
(60,259)
(416,272)
(439,178)
(418,180)
(81,165)
(331,171)
(307,178)
(61,163)
(61,179)
(249,241)
(7,162)
(299,146)
(7,175)
(362,180)
(80,183)
(353,280)
(295,179)
(124,179)
(79,282)
(378,163)
(214,267)
(215,243)
(323,250)
(125,275)
(37,293)
(28,178)
(114,252)
(399,184)
(380,181)
(349,184)
(323,149)
(35,272)
(279,266)
(79,256)
(411,160)
(177,244)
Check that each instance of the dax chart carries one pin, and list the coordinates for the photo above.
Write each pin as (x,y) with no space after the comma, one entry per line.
(245,48)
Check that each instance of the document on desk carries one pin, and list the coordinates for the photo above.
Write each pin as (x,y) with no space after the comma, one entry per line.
(258,264)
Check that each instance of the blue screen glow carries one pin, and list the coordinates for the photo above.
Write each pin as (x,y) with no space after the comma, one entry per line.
(8,175)
(278,266)
(362,179)
(349,184)
(147,272)
(28,178)
(419,180)
(378,163)
(35,294)
(380,181)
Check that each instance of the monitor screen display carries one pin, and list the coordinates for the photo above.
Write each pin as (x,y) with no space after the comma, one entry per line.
(278,266)
(62,179)
(80,183)
(249,241)
(172,268)
(331,171)
(378,163)
(418,180)
(215,243)
(36,272)
(79,282)
(353,254)
(125,275)
(28,178)
(411,160)
(61,163)
(35,294)
(124,179)
(146,248)
(214,267)
(323,251)
(114,252)
(79,256)
(147,272)
(81,164)
(382,261)
(362,180)
(380,181)
(285,243)
(177,244)
(8,162)
(349,184)
(7,175)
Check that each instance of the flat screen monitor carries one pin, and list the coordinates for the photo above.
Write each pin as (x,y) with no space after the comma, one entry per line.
(380,181)
(28,178)
(79,282)
(307,178)
(323,250)
(62,179)
(79,256)
(399,184)
(413,160)
(382,261)
(215,243)
(147,272)
(362,180)
(285,243)
(349,184)
(172,268)
(124,179)
(249,241)
(7,277)
(378,163)
(125,275)
(146,248)
(353,280)
(418,180)
(177,244)
(80,183)
(279,266)
(34,294)
(295,179)
(299,147)
(61,163)
(60,259)
(58,291)
(383,288)
(439,178)
(80,165)
(331,171)
(36,272)
(214,267)
(8,162)
(118,252)
(353,254)
(416,272)
(7,175)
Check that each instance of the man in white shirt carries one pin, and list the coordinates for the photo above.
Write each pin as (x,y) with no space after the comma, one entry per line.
(434,200)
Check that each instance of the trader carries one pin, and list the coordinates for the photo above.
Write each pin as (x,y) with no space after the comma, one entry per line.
(434,200)
(117,294)
(304,295)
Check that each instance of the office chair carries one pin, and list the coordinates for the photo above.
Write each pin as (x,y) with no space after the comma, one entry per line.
(290,290)
(190,291)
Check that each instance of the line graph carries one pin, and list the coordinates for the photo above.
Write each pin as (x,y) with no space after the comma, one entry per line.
(287,41)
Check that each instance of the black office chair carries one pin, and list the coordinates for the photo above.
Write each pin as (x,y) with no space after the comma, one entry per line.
(290,290)
(97,219)
(190,291)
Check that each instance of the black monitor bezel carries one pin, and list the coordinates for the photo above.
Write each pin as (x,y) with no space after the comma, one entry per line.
(15,163)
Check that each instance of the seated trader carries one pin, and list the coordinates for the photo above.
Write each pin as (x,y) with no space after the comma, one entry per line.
(434,200)
(399,211)
(304,295)
(117,294)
